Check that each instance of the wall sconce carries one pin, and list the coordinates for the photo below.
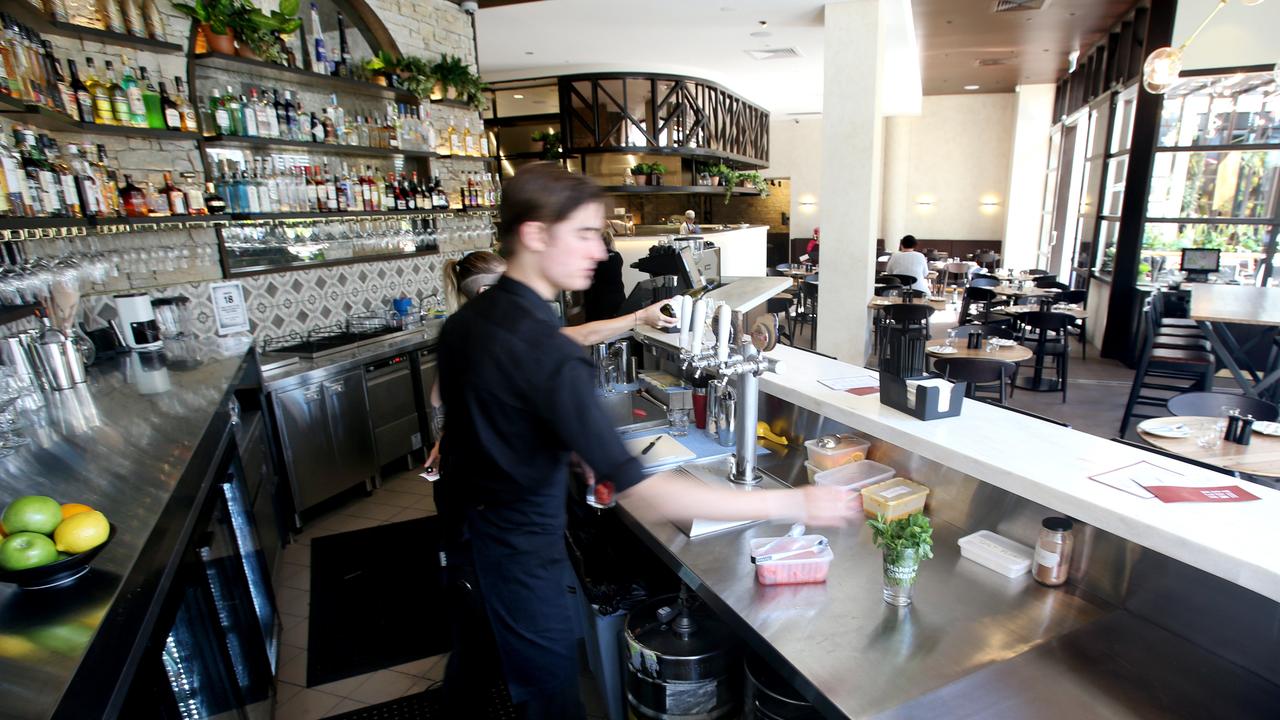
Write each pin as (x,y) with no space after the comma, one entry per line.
(808,203)
(990,203)
(924,201)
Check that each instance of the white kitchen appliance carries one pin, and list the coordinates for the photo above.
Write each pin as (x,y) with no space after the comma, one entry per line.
(138,322)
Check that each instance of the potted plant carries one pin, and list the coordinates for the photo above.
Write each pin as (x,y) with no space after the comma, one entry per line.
(905,542)
(452,76)
(640,171)
(213,18)
(548,143)
(718,173)
(258,33)
(656,171)
(381,67)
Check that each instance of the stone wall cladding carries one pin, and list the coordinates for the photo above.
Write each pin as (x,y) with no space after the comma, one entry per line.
(289,301)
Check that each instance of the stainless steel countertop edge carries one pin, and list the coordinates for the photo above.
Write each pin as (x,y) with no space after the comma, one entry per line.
(306,371)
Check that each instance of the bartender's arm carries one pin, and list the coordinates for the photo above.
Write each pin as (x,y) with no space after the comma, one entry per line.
(602,330)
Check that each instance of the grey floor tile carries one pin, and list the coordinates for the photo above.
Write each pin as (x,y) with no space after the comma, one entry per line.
(410,514)
(344,687)
(307,704)
(382,686)
(294,601)
(294,670)
(372,509)
(285,692)
(293,576)
(347,705)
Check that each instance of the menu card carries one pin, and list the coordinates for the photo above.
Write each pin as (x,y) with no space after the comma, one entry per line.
(1147,481)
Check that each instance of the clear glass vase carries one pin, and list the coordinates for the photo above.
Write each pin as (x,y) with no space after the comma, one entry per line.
(900,570)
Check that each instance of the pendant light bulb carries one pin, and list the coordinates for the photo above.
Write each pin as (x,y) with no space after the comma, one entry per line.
(1161,70)
(1251,3)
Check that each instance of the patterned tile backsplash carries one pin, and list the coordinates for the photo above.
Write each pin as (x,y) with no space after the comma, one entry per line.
(296,301)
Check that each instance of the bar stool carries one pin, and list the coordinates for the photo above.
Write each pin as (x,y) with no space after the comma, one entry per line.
(1167,325)
(780,307)
(906,332)
(1050,341)
(1194,367)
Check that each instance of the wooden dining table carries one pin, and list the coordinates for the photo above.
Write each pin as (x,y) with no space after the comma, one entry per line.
(1016,310)
(1214,306)
(882,302)
(1260,457)
(1009,353)
(1018,292)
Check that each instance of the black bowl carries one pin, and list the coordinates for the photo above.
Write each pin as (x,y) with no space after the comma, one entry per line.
(56,573)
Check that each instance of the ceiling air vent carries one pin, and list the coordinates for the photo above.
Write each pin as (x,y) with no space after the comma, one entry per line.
(992,62)
(774,54)
(1018,5)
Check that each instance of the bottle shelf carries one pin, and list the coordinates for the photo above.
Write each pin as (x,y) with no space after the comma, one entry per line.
(54,121)
(24,13)
(303,78)
(19,228)
(11,313)
(320,148)
(352,214)
(675,190)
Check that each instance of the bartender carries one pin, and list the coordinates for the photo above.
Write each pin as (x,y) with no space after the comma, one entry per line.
(690,226)
(521,400)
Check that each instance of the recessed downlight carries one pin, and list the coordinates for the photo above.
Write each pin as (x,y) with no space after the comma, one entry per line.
(972,87)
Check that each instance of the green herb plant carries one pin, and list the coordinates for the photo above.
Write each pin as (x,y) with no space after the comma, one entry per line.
(217,14)
(898,537)
(640,169)
(657,169)
(262,31)
(551,143)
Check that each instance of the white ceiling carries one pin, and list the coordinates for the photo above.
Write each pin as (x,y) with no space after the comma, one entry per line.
(702,38)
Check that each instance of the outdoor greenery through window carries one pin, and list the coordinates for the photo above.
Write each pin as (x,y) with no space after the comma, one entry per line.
(1216,177)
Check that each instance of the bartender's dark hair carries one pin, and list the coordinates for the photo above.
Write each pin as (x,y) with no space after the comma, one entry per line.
(542,192)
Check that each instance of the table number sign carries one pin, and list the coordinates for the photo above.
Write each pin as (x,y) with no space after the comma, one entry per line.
(229,311)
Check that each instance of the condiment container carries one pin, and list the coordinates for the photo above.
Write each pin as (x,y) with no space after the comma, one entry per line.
(996,552)
(810,566)
(854,476)
(1053,551)
(846,450)
(813,471)
(894,499)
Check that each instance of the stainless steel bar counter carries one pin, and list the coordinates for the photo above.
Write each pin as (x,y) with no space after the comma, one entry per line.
(1135,634)
(137,442)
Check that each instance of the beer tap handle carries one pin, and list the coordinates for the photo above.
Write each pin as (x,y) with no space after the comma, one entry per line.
(722,333)
(699,325)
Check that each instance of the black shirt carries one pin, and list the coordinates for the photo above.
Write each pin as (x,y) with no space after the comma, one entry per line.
(520,396)
(602,300)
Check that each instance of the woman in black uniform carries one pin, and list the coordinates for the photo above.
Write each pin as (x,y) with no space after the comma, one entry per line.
(521,399)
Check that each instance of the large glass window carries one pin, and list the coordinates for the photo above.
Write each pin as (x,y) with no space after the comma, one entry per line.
(1117,169)
(1215,180)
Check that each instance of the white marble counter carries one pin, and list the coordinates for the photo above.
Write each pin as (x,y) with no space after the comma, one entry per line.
(1051,465)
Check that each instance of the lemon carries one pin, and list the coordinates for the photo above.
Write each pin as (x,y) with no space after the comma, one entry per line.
(81,532)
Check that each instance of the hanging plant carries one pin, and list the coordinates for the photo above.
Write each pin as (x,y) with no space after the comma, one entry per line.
(260,32)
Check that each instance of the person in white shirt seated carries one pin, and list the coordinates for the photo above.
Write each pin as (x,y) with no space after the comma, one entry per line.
(908,261)
(690,225)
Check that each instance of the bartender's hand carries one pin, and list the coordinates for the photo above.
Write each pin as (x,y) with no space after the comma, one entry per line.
(433,457)
(829,506)
(653,317)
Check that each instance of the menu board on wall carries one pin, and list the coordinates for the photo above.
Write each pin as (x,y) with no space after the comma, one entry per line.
(229,311)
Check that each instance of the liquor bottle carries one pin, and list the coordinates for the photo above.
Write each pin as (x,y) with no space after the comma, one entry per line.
(342,63)
(304,122)
(291,116)
(152,101)
(86,181)
(266,114)
(157,202)
(248,117)
(313,191)
(66,179)
(133,17)
(14,180)
(392,132)
(455,141)
(174,195)
(107,185)
(154,23)
(40,177)
(343,183)
(484,144)
(420,196)
(214,202)
(431,138)
(221,116)
(84,99)
(194,194)
(185,111)
(112,16)
(134,199)
(362,132)
(331,189)
(320,61)
(317,129)
(249,192)
(469,146)
(133,91)
(119,100)
(328,131)
(439,200)
(172,117)
(103,113)
(67,100)
(338,117)
(235,112)
(282,118)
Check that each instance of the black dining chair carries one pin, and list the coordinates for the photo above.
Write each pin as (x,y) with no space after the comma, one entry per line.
(809,291)
(907,280)
(1210,404)
(888,281)
(1037,272)
(1050,340)
(906,331)
(1081,298)
(981,374)
(1044,281)
(982,300)
(956,274)
(984,281)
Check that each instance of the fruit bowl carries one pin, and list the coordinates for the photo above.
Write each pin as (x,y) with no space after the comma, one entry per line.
(56,573)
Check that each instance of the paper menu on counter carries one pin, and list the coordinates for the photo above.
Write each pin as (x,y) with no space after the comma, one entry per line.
(856,384)
(1135,478)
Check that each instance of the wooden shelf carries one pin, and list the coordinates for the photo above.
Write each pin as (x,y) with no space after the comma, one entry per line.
(12,313)
(675,190)
(348,214)
(54,121)
(40,223)
(309,80)
(24,13)
(319,148)
(10,105)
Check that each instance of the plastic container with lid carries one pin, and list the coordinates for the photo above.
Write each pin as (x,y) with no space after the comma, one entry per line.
(894,499)
(847,449)
(855,476)
(813,471)
(810,566)
(996,552)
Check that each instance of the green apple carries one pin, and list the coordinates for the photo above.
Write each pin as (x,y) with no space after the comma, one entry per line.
(25,550)
(32,513)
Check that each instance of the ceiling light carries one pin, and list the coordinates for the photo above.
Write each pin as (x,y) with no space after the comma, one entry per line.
(972,87)
(764,23)
(528,52)
(518,96)
(1163,65)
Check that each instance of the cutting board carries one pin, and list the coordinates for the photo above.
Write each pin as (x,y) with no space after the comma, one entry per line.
(666,452)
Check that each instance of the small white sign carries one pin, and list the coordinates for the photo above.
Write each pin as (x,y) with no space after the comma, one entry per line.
(229,311)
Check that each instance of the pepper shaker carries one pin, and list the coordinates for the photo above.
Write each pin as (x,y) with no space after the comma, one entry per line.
(1233,428)
(1245,435)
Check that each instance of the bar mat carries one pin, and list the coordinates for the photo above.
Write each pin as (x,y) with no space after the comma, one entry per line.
(377,600)
(429,705)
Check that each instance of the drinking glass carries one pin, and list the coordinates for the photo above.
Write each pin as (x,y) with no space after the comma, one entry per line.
(951,338)
(1209,434)
(11,389)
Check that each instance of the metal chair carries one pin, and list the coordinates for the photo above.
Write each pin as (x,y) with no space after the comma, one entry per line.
(1036,272)
(1210,404)
(984,298)
(1077,297)
(980,374)
(1048,281)
(907,280)
(958,271)
(809,291)
(888,280)
(984,281)
(1051,341)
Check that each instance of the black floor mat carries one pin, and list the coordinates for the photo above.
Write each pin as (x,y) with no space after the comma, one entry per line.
(428,705)
(377,600)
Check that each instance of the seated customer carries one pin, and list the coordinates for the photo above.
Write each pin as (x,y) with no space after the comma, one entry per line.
(908,261)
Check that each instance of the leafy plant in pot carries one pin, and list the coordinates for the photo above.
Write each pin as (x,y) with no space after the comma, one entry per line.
(550,143)
(905,542)
(214,18)
(258,33)
(718,173)
(640,171)
(656,171)
(381,67)
(452,77)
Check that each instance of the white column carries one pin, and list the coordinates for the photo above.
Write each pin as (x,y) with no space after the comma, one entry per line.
(1027,164)
(897,169)
(851,141)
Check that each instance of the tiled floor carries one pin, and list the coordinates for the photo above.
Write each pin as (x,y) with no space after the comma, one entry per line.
(403,497)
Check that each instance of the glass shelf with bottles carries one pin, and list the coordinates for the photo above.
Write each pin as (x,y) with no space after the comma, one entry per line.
(128,102)
(128,23)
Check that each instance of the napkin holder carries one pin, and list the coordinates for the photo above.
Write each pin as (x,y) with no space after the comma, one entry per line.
(893,392)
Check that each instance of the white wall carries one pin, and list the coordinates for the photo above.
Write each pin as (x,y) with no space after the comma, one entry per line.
(956,155)
(1239,35)
(1029,158)
(795,151)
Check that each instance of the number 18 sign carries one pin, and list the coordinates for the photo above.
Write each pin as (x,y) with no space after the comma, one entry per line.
(228,308)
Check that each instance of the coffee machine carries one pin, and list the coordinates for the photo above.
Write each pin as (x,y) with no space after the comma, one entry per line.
(138,322)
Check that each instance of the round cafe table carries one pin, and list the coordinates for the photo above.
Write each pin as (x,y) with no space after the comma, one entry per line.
(1260,457)
(1009,353)
(1016,310)
(879,302)
(1013,291)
